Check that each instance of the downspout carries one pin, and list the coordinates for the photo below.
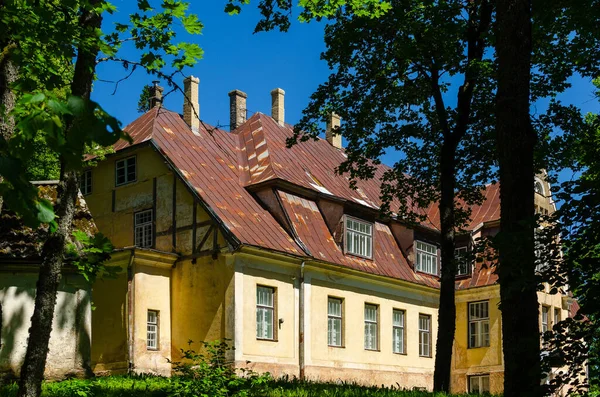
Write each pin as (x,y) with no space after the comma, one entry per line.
(301,323)
(130,313)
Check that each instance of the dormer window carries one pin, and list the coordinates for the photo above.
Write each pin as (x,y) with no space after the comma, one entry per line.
(463,265)
(426,258)
(359,238)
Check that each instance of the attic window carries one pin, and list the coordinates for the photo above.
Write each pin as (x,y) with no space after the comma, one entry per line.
(426,255)
(85,182)
(125,171)
(359,237)
(463,266)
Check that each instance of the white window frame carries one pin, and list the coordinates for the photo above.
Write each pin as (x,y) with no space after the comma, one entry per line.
(85,182)
(335,339)
(143,231)
(399,331)
(545,315)
(462,259)
(124,164)
(152,329)
(426,258)
(482,383)
(262,308)
(479,324)
(371,328)
(425,345)
(358,242)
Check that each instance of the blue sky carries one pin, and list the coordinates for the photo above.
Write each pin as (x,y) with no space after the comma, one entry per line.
(235,58)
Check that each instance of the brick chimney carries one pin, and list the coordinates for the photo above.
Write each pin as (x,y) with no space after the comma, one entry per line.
(333,123)
(237,109)
(156,94)
(278,105)
(191,107)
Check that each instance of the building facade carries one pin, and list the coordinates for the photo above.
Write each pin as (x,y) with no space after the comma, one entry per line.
(230,235)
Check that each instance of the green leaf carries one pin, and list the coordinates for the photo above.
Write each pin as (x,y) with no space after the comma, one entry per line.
(45,211)
(59,107)
(191,24)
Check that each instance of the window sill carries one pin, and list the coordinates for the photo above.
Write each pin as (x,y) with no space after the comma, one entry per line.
(463,276)
(373,350)
(152,349)
(477,347)
(358,256)
(337,347)
(400,354)
(425,356)
(125,184)
(267,340)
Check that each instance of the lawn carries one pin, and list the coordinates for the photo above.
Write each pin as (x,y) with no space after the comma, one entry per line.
(154,386)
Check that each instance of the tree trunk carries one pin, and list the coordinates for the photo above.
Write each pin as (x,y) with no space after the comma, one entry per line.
(515,144)
(447,308)
(8,75)
(32,371)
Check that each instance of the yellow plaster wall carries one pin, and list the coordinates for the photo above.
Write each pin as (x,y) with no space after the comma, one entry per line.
(482,360)
(284,348)
(202,302)
(109,324)
(376,367)
(152,292)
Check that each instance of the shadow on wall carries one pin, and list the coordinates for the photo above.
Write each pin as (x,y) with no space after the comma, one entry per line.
(70,340)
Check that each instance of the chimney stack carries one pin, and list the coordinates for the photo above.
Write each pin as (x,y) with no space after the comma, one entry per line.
(333,123)
(191,107)
(156,95)
(237,109)
(278,106)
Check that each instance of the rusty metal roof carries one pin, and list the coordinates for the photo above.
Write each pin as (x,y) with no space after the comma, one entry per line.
(221,165)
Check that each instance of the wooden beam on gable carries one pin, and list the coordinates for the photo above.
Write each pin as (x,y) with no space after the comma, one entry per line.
(194,226)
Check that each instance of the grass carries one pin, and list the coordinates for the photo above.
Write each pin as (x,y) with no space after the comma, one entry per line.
(155,386)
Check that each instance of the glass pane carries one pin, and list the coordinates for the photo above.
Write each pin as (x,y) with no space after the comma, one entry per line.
(334,307)
(268,323)
(260,322)
(485,384)
(399,318)
(370,313)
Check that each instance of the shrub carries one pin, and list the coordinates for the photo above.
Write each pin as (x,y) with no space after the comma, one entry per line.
(209,374)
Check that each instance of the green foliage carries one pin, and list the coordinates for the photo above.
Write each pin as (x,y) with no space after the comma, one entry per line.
(156,386)
(210,374)
(276,14)
(144,101)
(46,114)
(89,253)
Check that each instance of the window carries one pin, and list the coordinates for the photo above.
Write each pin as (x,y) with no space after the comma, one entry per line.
(556,316)
(463,264)
(265,312)
(371,327)
(545,310)
(479,384)
(424,335)
(479,324)
(125,171)
(143,229)
(334,322)
(359,237)
(538,188)
(85,182)
(398,331)
(426,257)
(152,330)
